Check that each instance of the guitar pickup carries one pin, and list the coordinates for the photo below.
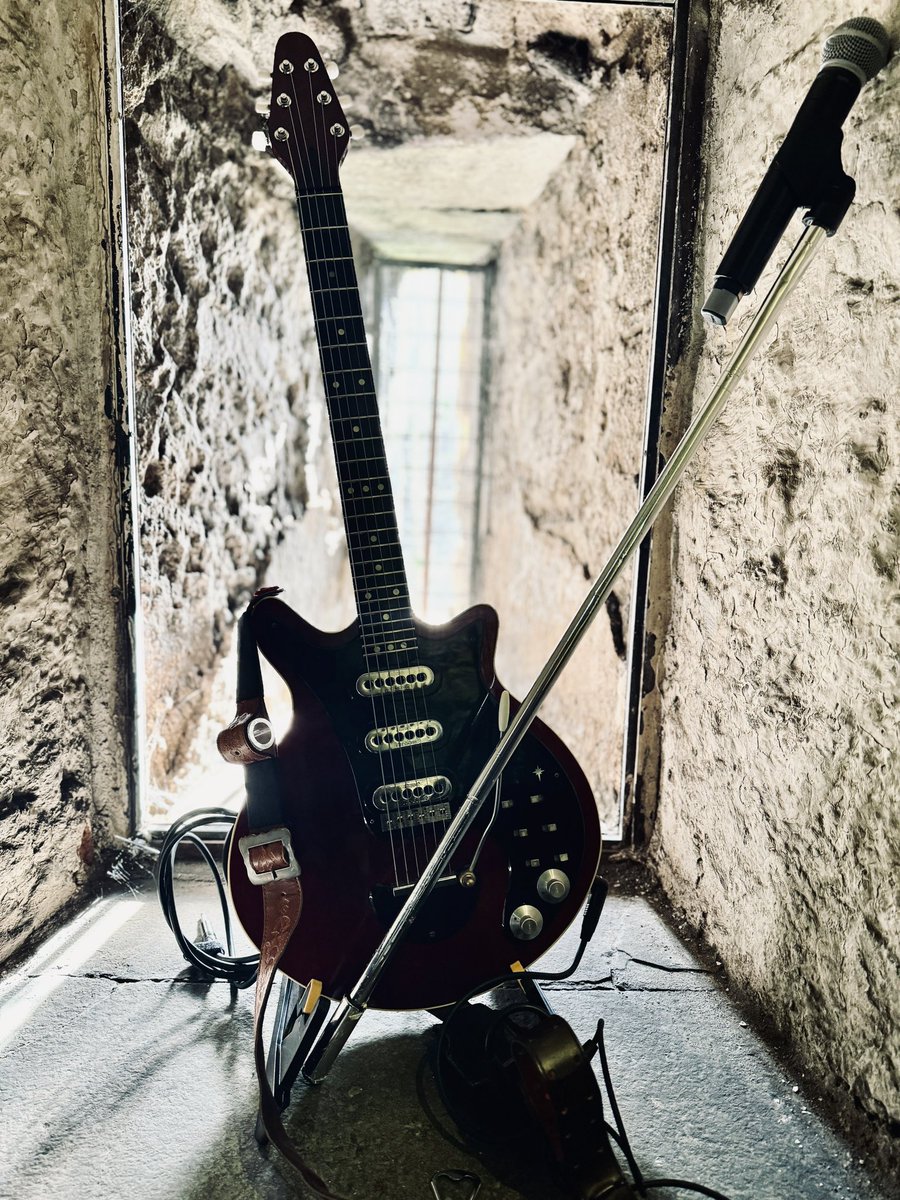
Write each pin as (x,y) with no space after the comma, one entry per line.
(399,737)
(408,792)
(404,679)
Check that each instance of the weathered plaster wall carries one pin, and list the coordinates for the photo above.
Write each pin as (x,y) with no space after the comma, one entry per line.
(225,367)
(778,827)
(571,345)
(62,708)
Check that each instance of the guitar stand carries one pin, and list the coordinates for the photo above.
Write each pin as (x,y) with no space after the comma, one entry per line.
(293,1033)
(295,1030)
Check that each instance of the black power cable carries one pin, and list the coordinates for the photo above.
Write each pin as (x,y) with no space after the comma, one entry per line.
(595,1045)
(207,955)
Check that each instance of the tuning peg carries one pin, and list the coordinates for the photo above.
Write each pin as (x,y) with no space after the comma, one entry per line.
(260,141)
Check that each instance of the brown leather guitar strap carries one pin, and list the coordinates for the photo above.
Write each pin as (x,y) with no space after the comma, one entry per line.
(282,903)
(270,861)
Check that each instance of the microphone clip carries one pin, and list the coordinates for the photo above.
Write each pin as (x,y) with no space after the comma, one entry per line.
(806,171)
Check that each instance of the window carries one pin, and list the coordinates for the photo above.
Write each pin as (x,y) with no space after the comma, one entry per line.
(430,364)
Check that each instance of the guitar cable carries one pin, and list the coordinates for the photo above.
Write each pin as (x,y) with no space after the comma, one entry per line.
(594,1046)
(206,954)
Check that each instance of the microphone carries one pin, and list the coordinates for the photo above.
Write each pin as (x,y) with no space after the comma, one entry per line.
(806,171)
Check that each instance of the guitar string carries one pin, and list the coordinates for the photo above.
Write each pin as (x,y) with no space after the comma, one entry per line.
(294,153)
(324,242)
(338,219)
(373,637)
(364,582)
(411,696)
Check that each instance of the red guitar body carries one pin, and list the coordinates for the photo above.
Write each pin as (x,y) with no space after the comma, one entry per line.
(546,819)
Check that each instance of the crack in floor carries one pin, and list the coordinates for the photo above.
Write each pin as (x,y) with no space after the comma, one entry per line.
(124,978)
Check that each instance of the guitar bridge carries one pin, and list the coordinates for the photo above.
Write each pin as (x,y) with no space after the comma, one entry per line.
(429,814)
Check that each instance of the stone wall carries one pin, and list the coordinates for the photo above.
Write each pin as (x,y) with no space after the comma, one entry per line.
(778,829)
(225,368)
(572,306)
(63,657)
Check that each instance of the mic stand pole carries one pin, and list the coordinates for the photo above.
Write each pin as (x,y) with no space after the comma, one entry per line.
(351,1008)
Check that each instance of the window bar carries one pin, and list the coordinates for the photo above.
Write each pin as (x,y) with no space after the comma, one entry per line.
(432,449)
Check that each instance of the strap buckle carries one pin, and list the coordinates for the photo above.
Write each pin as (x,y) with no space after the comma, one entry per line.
(272,837)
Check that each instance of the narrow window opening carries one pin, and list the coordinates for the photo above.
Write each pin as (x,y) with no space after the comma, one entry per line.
(431,380)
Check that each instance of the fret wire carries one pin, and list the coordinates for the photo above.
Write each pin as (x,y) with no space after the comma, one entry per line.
(378,646)
(371,639)
(359,512)
(397,619)
(384,575)
(383,587)
(387,558)
(347,395)
(354,423)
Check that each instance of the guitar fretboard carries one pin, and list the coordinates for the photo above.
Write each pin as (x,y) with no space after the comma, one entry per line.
(376,560)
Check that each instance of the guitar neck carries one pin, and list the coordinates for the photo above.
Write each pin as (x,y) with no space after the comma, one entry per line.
(376,560)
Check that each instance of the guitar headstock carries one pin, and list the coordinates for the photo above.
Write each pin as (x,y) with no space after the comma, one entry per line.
(308,131)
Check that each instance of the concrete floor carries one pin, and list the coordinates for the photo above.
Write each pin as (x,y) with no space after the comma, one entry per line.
(120,1076)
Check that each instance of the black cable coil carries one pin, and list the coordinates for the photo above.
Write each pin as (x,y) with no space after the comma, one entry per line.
(208,956)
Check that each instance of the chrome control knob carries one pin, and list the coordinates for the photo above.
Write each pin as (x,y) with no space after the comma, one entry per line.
(553,885)
(526,922)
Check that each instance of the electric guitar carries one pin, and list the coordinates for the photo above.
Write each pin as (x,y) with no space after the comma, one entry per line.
(394,718)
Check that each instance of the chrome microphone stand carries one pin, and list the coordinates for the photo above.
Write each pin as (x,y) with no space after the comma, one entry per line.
(348,1011)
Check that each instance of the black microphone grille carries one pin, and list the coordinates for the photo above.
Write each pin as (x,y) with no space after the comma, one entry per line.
(861,45)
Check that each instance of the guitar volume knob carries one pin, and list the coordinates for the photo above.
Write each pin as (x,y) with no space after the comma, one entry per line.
(553,885)
(526,922)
